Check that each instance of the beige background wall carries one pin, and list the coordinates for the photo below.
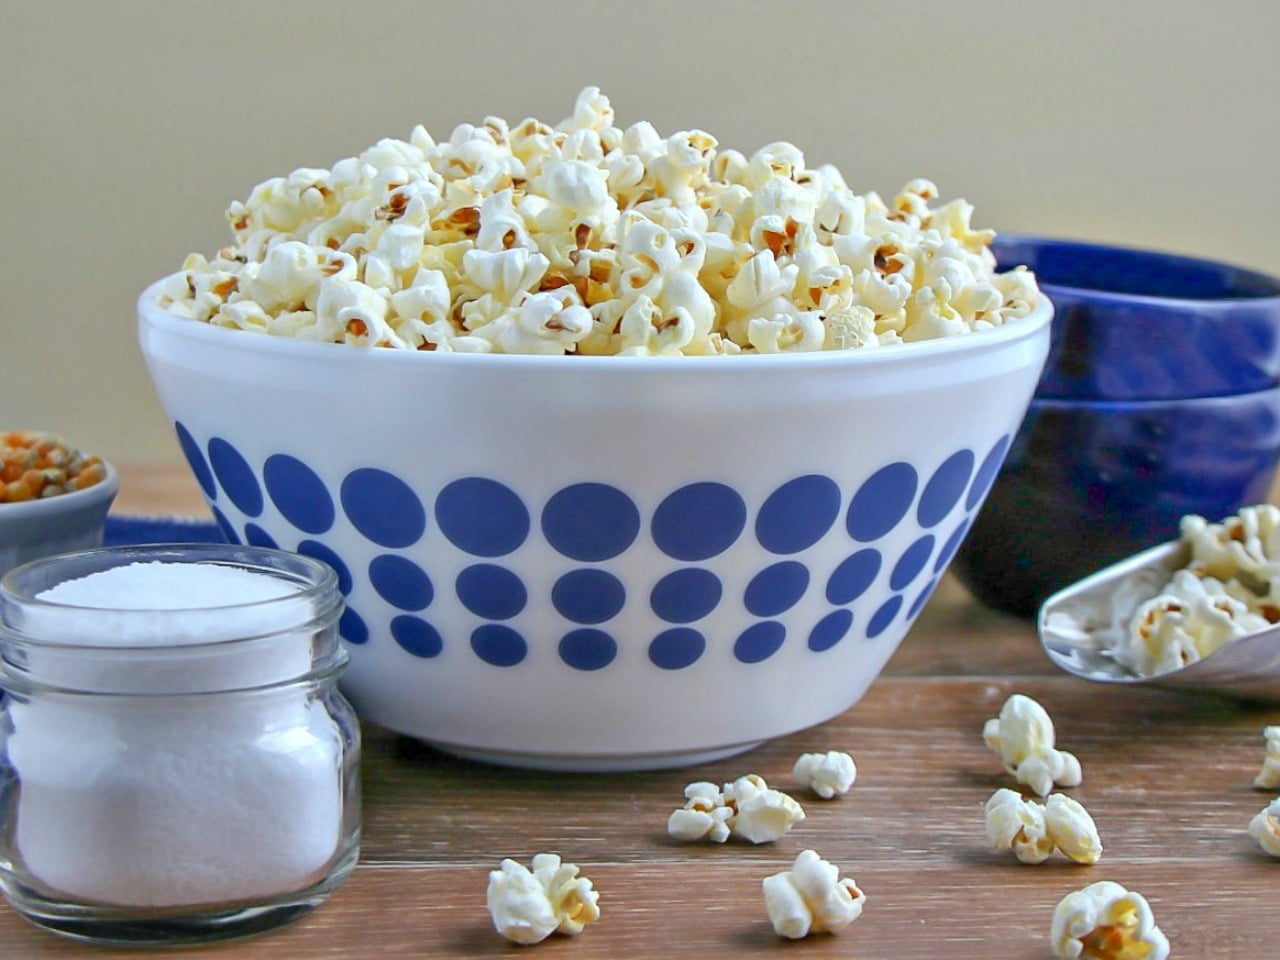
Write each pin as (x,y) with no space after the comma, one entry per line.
(128,127)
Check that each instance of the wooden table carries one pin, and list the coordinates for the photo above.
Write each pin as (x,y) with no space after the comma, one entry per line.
(1168,778)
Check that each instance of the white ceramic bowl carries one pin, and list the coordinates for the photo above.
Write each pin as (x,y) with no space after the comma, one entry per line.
(34,529)
(602,562)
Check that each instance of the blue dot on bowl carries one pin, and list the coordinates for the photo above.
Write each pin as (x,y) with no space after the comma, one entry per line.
(490,591)
(911,562)
(318,551)
(590,522)
(481,516)
(776,588)
(255,536)
(952,544)
(401,582)
(588,649)
(588,596)
(236,477)
(352,628)
(830,630)
(298,493)
(881,619)
(855,574)
(882,501)
(683,596)
(986,474)
(416,636)
(699,521)
(199,466)
(944,488)
(798,513)
(228,531)
(677,648)
(383,507)
(498,645)
(759,641)
(918,604)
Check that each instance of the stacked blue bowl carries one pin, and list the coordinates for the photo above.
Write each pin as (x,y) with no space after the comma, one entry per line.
(1160,398)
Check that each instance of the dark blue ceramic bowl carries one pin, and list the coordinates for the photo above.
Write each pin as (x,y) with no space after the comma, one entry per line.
(1087,484)
(1139,325)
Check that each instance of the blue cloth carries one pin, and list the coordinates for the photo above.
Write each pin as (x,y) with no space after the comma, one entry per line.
(124,531)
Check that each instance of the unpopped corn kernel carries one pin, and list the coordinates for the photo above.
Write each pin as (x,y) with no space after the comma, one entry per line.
(811,897)
(528,905)
(1104,921)
(1265,828)
(1023,736)
(826,774)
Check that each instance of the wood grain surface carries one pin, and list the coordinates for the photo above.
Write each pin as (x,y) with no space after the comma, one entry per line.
(1168,778)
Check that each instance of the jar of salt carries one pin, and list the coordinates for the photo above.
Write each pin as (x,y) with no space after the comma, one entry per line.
(176,763)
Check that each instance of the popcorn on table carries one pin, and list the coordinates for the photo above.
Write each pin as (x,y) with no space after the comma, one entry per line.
(1265,828)
(1268,777)
(1033,830)
(527,906)
(1023,736)
(591,238)
(748,808)
(811,897)
(1229,588)
(1104,921)
(826,774)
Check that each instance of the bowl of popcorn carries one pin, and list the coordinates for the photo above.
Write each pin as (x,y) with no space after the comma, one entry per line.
(629,451)
(53,497)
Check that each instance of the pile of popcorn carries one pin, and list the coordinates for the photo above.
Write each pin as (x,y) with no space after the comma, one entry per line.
(1229,588)
(592,239)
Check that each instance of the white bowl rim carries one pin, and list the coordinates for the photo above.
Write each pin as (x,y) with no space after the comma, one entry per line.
(42,507)
(905,353)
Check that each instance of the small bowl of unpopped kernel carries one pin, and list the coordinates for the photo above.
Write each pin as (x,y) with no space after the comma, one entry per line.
(53,497)
(629,450)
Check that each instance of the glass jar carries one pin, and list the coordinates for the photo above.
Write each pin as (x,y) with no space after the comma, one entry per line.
(176,762)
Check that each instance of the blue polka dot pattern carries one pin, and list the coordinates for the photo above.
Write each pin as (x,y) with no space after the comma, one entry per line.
(482,517)
(236,477)
(677,648)
(588,649)
(882,501)
(797,514)
(318,551)
(881,619)
(699,521)
(498,645)
(686,595)
(228,531)
(590,522)
(255,536)
(301,497)
(911,562)
(918,604)
(776,588)
(416,636)
(383,507)
(400,582)
(830,630)
(490,591)
(759,641)
(944,488)
(199,466)
(588,596)
(986,474)
(352,628)
(855,574)
(952,545)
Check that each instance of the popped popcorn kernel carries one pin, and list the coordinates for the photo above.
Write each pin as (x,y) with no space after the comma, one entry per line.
(826,774)
(748,808)
(811,897)
(528,905)
(759,254)
(1104,921)
(1268,777)
(1023,736)
(1265,828)
(1033,831)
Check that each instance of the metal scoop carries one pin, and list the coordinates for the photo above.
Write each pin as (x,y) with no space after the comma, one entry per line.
(1081,624)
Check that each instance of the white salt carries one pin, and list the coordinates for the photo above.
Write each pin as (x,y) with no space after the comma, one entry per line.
(162,801)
